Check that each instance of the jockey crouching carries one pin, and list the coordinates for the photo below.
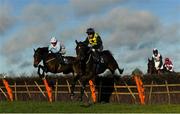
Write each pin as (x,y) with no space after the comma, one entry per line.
(94,41)
(168,65)
(157,58)
(58,49)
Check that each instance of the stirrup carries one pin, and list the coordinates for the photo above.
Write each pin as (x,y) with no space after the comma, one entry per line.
(101,60)
(65,61)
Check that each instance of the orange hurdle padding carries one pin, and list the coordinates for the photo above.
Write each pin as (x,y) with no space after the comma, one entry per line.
(9,91)
(93,91)
(140,89)
(48,89)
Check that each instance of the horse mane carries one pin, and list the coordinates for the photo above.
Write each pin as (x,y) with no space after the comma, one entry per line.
(107,52)
(44,48)
(82,43)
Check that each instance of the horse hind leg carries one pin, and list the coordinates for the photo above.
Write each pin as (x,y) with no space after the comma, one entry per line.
(105,73)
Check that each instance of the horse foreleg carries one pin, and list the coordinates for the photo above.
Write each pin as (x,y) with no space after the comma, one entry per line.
(40,67)
(82,91)
(75,78)
(84,81)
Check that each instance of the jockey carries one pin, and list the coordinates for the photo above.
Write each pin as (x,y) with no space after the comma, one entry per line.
(57,48)
(168,65)
(94,41)
(157,58)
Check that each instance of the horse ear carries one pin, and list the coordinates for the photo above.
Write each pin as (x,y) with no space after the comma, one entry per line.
(76,41)
(148,59)
(34,50)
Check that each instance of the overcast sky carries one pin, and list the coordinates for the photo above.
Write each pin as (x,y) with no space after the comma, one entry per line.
(130,29)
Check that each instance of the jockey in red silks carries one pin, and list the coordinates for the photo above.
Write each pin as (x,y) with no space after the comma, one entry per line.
(168,65)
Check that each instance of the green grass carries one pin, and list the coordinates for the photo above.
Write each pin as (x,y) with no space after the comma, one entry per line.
(69,107)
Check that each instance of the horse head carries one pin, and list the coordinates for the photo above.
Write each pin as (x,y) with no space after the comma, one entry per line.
(81,50)
(39,54)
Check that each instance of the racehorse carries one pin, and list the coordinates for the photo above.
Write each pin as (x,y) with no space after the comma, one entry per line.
(151,68)
(51,63)
(91,68)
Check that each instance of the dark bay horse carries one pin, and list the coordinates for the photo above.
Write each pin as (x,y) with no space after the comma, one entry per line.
(152,70)
(51,63)
(90,66)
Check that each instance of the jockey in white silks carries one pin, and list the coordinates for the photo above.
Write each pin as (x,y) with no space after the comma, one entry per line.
(157,58)
(57,48)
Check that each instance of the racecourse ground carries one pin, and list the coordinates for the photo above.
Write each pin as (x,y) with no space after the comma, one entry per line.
(69,107)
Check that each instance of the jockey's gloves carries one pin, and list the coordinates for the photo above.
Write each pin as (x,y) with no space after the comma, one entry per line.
(89,45)
(93,49)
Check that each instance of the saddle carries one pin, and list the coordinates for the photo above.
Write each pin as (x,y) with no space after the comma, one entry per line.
(97,57)
(60,58)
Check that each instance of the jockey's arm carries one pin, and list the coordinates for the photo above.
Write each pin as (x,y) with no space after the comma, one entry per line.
(49,48)
(63,49)
(86,42)
(99,43)
(152,58)
(161,61)
(170,66)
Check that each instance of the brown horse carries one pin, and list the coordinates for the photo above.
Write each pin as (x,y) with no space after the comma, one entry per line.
(91,68)
(51,63)
(152,70)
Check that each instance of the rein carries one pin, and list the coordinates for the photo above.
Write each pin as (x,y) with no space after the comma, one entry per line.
(88,59)
(50,60)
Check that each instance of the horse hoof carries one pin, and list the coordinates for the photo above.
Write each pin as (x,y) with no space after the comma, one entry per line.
(121,71)
(41,76)
(80,99)
(72,96)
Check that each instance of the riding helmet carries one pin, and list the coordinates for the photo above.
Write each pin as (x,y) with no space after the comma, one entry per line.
(155,50)
(90,31)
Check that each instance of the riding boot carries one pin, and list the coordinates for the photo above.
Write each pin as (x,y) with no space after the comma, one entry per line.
(60,58)
(96,57)
(97,68)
